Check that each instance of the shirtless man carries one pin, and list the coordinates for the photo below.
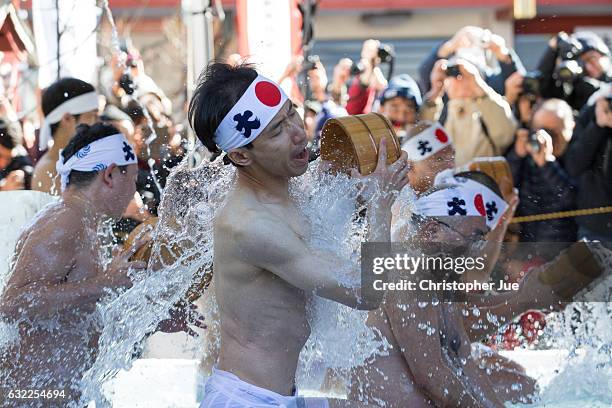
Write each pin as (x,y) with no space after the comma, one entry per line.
(264,269)
(58,275)
(65,104)
(433,366)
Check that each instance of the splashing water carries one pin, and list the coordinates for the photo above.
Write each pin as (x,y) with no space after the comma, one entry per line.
(192,198)
(584,329)
(182,253)
(336,228)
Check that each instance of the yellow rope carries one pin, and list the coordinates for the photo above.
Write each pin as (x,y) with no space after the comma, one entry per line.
(561,214)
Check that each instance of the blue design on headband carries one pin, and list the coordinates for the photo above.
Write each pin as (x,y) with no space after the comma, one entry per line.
(244,125)
(83,152)
(127,149)
(99,166)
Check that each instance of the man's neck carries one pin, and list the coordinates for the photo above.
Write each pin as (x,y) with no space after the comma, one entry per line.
(268,187)
(60,140)
(83,201)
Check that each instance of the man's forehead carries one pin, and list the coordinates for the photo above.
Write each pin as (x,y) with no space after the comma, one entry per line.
(546,118)
(280,115)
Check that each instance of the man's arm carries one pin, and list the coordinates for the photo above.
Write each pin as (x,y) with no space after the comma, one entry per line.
(423,354)
(38,287)
(498,118)
(585,144)
(273,246)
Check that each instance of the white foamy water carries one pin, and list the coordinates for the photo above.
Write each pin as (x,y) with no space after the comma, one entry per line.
(185,222)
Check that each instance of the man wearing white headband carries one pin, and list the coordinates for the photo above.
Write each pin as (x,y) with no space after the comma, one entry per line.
(264,269)
(65,104)
(430,360)
(430,151)
(59,275)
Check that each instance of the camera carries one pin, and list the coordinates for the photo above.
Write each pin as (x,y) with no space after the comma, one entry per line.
(452,70)
(126,82)
(386,52)
(567,71)
(310,63)
(356,68)
(568,48)
(531,83)
(533,142)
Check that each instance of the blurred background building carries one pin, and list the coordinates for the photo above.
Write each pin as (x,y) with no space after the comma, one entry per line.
(413,27)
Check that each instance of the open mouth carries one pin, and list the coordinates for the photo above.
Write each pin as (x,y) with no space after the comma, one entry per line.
(301,156)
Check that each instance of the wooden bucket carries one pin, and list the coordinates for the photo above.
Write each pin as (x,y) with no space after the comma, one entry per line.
(495,167)
(144,231)
(352,142)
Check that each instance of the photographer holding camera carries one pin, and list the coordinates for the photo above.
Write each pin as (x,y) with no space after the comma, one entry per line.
(369,78)
(589,159)
(474,37)
(478,119)
(537,163)
(523,94)
(573,67)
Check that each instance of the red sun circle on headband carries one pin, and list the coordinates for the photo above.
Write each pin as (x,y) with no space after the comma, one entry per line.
(479,204)
(441,135)
(267,93)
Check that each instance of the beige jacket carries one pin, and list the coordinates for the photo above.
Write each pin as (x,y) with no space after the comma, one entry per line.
(464,123)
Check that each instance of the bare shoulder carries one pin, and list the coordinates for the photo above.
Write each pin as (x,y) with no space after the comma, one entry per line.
(245,218)
(250,231)
(49,242)
(57,227)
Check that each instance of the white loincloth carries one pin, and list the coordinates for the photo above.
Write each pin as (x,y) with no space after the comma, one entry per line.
(225,390)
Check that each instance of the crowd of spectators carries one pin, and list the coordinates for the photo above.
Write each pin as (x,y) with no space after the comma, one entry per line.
(552,124)
(127,98)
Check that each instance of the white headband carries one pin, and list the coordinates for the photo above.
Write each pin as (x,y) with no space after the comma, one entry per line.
(79,104)
(427,143)
(463,197)
(250,115)
(97,156)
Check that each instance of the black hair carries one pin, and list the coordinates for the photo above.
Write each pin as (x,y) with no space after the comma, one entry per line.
(61,91)
(10,134)
(219,87)
(482,178)
(85,135)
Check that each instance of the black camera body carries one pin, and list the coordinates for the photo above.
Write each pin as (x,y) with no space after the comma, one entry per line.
(534,143)
(126,82)
(386,52)
(568,48)
(310,63)
(569,69)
